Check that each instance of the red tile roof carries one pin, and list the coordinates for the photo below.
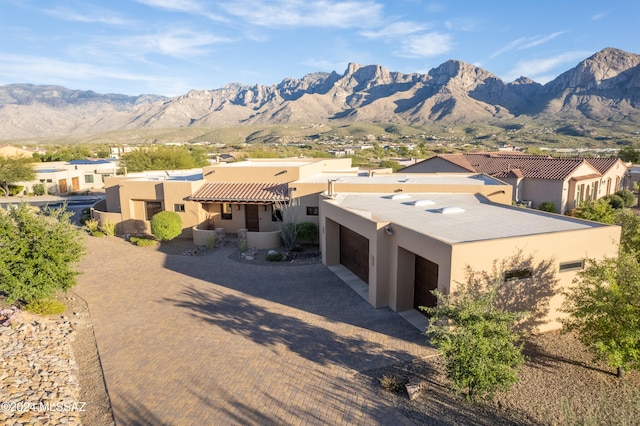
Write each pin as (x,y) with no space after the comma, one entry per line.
(504,165)
(229,192)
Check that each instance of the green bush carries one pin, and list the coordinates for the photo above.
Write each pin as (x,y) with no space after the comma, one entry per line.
(97,233)
(143,241)
(166,225)
(92,225)
(37,252)
(627,196)
(308,231)
(15,189)
(46,307)
(616,201)
(274,257)
(548,206)
(39,189)
(109,229)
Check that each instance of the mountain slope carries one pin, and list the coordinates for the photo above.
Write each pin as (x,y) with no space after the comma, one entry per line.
(605,86)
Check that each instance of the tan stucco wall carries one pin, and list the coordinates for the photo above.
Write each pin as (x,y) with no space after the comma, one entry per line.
(541,190)
(272,170)
(434,165)
(554,248)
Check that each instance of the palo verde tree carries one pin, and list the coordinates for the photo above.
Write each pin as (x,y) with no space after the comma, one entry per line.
(37,252)
(163,158)
(604,310)
(15,170)
(479,342)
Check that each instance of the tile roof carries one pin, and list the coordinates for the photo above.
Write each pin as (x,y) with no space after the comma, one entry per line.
(230,192)
(503,165)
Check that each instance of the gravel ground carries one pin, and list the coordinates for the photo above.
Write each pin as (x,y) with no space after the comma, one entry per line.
(559,385)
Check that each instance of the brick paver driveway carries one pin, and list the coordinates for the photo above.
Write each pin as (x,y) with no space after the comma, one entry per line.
(203,340)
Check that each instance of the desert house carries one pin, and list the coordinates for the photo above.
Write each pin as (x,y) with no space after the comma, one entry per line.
(400,235)
(564,181)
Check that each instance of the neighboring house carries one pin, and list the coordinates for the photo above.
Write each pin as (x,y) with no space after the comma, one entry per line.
(401,235)
(566,182)
(14,151)
(62,177)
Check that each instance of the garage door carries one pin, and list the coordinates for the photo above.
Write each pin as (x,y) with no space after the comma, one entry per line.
(354,253)
(426,280)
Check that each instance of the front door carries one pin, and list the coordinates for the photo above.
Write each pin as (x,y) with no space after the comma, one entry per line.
(62,186)
(251,219)
(75,184)
(426,280)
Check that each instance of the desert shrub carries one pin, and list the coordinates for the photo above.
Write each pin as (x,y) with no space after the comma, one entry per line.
(97,233)
(39,189)
(627,196)
(548,206)
(308,231)
(46,307)
(143,241)
(15,189)
(37,252)
(211,242)
(109,229)
(92,225)
(166,225)
(390,383)
(274,257)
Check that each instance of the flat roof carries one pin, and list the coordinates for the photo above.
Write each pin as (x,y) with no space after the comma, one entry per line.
(171,175)
(406,178)
(457,218)
(268,163)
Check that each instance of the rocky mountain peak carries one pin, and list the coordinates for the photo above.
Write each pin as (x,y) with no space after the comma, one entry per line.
(462,74)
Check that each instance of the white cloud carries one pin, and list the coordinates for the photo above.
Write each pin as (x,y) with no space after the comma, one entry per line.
(301,13)
(526,43)
(193,7)
(542,40)
(397,29)
(178,43)
(425,45)
(96,15)
(541,69)
(599,16)
(461,24)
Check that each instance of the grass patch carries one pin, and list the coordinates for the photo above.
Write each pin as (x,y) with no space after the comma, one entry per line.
(46,307)
(143,241)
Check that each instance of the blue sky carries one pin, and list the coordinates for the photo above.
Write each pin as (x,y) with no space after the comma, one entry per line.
(169,47)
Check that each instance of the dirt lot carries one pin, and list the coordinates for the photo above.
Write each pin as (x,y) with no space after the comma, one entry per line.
(559,385)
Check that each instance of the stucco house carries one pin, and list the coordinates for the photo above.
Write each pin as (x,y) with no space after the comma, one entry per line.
(398,235)
(566,182)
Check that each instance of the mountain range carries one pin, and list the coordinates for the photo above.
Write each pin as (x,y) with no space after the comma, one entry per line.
(603,87)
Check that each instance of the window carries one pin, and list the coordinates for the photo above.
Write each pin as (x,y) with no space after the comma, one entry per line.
(178,208)
(276,214)
(517,274)
(312,211)
(572,266)
(225,211)
(88,178)
(152,207)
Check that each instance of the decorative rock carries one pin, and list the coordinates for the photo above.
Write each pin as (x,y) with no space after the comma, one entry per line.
(414,388)
(39,370)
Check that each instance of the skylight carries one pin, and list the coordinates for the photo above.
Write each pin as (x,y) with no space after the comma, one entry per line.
(420,203)
(452,210)
(400,196)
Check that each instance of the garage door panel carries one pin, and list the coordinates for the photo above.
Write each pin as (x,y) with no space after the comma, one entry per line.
(354,253)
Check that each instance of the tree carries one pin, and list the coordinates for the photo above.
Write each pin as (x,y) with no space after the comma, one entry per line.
(37,251)
(630,236)
(604,310)
(598,211)
(166,225)
(629,154)
(163,158)
(478,341)
(15,170)
(308,231)
(627,196)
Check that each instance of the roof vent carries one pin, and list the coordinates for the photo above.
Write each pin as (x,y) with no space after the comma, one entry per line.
(406,180)
(420,203)
(452,210)
(400,196)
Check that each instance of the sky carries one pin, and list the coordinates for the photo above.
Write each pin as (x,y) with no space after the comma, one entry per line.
(168,47)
